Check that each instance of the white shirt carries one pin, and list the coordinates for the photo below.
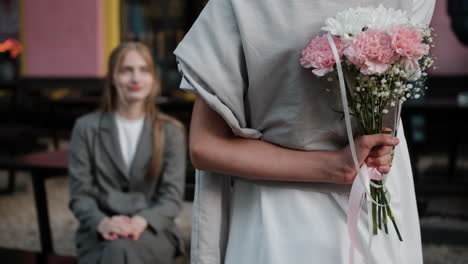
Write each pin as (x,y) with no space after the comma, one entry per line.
(129,133)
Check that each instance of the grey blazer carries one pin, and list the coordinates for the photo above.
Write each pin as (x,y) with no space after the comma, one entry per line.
(100,185)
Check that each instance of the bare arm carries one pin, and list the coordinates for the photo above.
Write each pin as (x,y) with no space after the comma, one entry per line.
(213,147)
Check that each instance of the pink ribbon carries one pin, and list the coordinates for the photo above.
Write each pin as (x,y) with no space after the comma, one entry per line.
(375,174)
(362,183)
(356,199)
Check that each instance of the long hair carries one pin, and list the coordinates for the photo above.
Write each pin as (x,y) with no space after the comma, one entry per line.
(156,118)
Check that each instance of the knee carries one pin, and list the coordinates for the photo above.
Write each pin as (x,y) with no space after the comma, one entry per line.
(118,246)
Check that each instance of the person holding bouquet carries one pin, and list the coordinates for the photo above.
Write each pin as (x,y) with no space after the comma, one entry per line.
(274,166)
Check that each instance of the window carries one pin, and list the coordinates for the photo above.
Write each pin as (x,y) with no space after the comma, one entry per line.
(161,24)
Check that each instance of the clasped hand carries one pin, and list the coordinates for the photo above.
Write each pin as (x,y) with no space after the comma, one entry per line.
(117,226)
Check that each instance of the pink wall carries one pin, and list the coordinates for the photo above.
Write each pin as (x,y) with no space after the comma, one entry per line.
(64,38)
(451,55)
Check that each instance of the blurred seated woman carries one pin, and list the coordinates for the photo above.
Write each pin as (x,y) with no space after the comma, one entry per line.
(127,168)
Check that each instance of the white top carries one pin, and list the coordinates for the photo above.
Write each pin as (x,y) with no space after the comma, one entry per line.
(129,133)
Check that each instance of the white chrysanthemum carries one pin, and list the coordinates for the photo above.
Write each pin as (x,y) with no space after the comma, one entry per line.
(347,24)
(383,18)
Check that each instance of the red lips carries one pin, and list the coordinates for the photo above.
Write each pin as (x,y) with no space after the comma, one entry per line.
(135,88)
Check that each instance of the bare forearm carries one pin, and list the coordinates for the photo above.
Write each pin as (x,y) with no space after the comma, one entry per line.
(257,159)
(213,147)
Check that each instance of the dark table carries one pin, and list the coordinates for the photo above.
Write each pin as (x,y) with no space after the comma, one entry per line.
(17,256)
(41,165)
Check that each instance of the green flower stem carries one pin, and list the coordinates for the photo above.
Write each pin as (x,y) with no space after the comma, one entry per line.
(379,213)
(390,214)
(384,213)
(374,218)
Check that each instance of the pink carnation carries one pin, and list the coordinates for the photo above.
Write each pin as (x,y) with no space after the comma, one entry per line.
(371,51)
(319,55)
(407,42)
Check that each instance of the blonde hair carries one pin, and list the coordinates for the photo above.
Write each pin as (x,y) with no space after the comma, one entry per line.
(110,94)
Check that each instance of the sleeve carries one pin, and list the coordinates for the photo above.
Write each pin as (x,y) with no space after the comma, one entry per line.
(212,63)
(211,60)
(167,201)
(83,195)
(422,11)
(185,85)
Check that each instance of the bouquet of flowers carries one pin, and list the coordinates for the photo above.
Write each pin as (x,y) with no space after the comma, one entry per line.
(384,57)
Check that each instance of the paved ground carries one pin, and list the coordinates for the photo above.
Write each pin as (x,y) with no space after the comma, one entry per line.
(18,227)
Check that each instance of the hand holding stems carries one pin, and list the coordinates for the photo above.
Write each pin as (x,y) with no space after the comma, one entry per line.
(122,226)
(375,150)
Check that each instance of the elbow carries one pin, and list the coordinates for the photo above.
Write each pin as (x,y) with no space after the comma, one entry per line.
(197,154)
